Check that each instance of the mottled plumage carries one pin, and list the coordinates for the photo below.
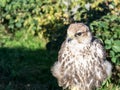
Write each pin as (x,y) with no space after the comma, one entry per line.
(81,61)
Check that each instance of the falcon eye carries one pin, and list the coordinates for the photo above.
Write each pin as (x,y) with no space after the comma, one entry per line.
(78,34)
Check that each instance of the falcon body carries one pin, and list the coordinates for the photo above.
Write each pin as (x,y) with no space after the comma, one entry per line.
(81,61)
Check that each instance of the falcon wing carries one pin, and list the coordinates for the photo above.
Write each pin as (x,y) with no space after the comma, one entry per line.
(98,48)
(61,51)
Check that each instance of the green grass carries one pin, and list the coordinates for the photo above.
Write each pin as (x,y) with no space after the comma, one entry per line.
(20,66)
(25,64)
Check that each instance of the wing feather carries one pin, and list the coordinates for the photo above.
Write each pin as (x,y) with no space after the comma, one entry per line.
(61,51)
(99,49)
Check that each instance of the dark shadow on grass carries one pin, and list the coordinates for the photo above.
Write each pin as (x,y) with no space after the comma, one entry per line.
(24,69)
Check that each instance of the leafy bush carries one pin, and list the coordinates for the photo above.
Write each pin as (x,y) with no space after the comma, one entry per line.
(28,14)
(108,29)
(34,14)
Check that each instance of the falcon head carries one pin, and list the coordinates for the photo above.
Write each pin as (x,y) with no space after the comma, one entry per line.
(79,32)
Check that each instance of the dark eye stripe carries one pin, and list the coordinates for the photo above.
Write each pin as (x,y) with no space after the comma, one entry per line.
(78,34)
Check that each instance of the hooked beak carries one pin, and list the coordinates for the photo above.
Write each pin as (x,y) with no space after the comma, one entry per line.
(69,39)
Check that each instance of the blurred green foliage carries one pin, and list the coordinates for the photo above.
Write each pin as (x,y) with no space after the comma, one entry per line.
(108,29)
(40,24)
